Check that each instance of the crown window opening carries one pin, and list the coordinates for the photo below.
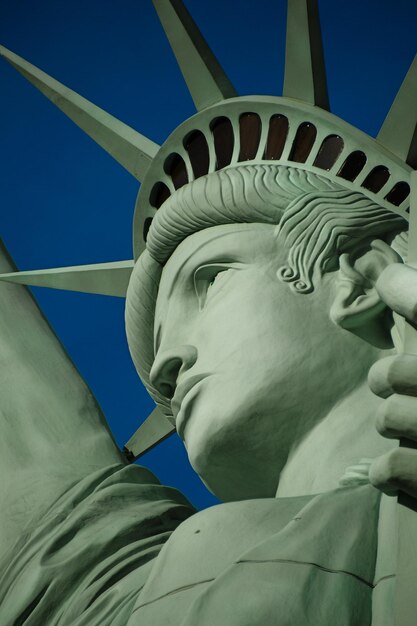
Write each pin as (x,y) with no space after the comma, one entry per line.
(398,193)
(224,141)
(146,226)
(196,145)
(277,136)
(159,194)
(376,179)
(329,151)
(353,165)
(175,167)
(303,142)
(250,134)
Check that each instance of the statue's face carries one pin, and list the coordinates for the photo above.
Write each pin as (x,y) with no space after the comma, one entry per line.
(251,365)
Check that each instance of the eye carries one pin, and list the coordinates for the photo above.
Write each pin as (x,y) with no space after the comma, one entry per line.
(208,277)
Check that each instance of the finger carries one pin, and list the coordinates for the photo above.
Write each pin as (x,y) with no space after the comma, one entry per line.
(394,374)
(397,287)
(356,474)
(397,418)
(395,471)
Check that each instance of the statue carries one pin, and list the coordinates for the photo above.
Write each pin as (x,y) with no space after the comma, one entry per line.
(268,290)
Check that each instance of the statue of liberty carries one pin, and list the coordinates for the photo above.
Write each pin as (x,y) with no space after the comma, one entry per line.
(268,289)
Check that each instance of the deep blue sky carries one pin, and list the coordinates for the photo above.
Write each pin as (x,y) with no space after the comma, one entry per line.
(66,202)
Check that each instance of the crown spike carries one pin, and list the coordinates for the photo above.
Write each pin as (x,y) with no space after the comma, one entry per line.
(305,74)
(398,132)
(128,147)
(108,279)
(203,74)
(154,429)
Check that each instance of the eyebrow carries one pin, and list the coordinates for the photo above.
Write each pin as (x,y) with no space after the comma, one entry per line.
(196,251)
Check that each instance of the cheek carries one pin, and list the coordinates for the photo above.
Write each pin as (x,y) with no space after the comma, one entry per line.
(253,323)
(238,314)
(267,347)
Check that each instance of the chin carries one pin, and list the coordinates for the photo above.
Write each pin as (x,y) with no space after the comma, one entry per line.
(224,463)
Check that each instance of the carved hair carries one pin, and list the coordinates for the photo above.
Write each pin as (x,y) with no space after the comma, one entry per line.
(316,221)
(248,193)
(316,228)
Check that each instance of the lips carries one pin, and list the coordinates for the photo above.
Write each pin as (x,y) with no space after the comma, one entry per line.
(182,390)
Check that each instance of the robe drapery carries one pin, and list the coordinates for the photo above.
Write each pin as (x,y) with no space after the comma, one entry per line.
(117,549)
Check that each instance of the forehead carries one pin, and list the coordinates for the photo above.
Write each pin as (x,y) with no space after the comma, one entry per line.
(226,242)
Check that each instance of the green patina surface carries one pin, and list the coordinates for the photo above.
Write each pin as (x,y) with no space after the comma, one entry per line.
(259,317)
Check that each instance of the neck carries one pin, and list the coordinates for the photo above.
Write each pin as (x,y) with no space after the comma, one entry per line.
(344,437)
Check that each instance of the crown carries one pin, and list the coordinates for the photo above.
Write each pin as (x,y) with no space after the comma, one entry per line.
(268,130)
(227,131)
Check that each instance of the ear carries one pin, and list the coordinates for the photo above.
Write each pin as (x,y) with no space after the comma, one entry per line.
(357,307)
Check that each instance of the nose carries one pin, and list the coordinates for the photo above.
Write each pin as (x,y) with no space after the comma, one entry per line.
(168,365)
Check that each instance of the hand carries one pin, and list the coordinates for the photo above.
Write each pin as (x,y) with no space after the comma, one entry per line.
(395,379)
